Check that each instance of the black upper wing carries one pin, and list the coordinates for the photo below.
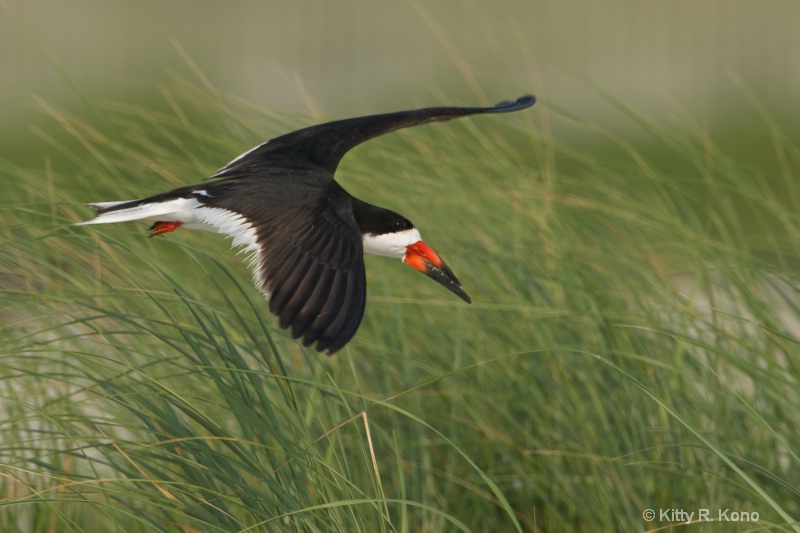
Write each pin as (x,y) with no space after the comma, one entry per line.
(310,260)
(325,145)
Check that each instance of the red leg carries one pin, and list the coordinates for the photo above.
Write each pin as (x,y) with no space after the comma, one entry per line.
(164,227)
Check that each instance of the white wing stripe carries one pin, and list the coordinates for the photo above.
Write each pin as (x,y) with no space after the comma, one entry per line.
(237,159)
(195,215)
(242,233)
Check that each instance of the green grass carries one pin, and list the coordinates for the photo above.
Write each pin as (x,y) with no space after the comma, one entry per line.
(633,342)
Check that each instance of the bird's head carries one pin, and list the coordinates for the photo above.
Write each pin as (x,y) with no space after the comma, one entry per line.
(400,239)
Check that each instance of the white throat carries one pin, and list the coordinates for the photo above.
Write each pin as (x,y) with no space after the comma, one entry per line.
(391,244)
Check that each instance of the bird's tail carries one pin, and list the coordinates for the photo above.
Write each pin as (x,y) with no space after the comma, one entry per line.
(126,211)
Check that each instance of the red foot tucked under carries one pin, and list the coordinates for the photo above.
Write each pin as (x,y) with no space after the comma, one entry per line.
(164,227)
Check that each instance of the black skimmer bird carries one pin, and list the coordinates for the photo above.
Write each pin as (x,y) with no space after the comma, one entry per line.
(305,234)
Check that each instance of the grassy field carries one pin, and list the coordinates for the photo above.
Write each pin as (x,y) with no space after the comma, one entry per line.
(632,346)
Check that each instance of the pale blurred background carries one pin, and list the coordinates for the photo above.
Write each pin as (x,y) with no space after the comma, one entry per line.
(699,58)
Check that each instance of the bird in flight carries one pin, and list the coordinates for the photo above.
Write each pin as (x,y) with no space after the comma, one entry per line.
(304,233)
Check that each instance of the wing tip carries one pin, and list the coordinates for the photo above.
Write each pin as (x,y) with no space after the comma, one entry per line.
(523,102)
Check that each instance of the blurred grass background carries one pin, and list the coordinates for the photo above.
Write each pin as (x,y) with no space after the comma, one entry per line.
(630,244)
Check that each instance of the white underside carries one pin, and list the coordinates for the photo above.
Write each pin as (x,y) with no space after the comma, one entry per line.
(193,215)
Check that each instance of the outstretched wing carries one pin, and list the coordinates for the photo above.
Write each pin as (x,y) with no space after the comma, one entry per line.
(325,145)
(307,259)
(297,225)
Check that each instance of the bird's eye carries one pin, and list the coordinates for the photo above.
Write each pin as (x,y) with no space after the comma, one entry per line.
(398,224)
